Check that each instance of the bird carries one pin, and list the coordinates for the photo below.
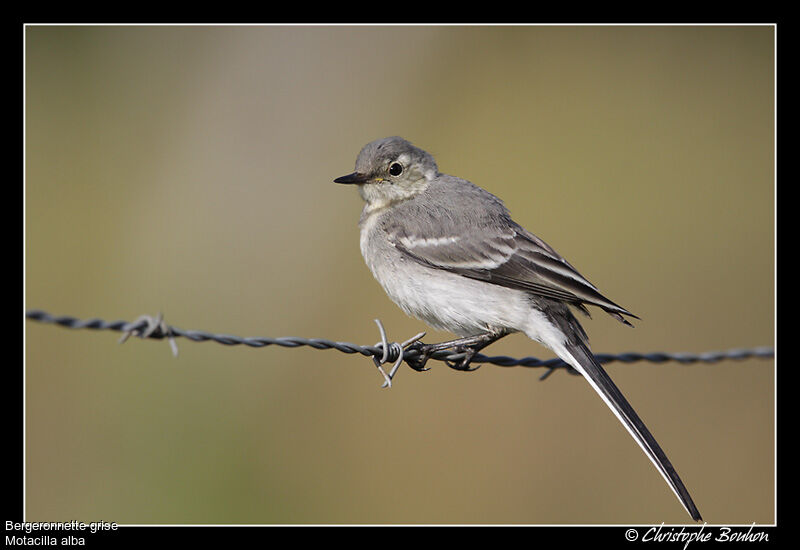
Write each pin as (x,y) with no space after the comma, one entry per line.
(448,253)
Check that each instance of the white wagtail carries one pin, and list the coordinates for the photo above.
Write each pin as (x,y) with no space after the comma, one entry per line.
(448,253)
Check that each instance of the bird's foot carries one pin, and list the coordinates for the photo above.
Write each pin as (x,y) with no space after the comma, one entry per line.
(464,364)
(468,347)
(426,351)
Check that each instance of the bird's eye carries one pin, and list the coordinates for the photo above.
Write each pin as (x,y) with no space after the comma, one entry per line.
(396,169)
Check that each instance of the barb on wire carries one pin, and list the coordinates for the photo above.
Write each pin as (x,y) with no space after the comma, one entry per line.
(152,325)
(382,352)
(398,349)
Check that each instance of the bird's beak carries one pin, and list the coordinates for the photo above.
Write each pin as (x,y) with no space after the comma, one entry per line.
(355,177)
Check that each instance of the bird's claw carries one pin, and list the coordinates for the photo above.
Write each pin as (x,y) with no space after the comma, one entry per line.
(463,364)
(426,351)
(418,363)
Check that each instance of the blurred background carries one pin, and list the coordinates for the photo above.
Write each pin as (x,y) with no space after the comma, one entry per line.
(189,170)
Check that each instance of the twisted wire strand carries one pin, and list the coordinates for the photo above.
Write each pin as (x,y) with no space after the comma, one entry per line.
(383,352)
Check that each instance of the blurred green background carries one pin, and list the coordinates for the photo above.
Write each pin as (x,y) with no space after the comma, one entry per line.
(189,170)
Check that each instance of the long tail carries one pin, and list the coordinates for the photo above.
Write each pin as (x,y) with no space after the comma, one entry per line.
(580,357)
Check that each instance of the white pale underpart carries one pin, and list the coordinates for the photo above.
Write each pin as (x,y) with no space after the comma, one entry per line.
(444,300)
(539,328)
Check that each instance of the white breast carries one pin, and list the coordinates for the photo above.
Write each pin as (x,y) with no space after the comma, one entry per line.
(444,300)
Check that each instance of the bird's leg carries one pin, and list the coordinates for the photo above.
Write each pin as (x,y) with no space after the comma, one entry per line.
(469,346)
(470,350)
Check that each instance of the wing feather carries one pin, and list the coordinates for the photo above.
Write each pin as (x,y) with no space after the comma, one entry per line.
(504,254)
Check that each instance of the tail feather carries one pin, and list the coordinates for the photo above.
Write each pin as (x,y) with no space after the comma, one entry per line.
(580,357)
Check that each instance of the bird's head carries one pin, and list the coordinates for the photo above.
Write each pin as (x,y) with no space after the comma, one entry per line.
(389,170)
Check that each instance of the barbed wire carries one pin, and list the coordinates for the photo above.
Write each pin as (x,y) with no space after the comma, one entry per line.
(382,352)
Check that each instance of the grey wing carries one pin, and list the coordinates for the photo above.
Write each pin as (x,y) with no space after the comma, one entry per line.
(502,253)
